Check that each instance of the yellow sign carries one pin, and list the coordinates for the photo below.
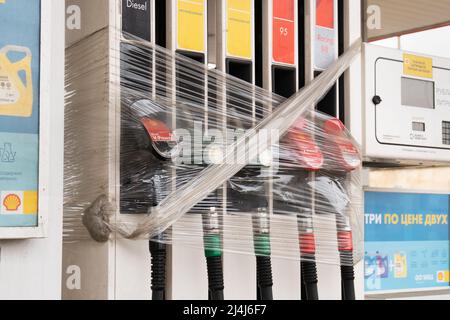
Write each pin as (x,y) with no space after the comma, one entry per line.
(417,66)
(30,203)
(239,28)
(16,92)
(191,25)
(2,1)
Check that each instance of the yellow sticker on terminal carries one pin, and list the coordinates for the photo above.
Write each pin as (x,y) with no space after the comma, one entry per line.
(2,1)
(239,28)
(417,66)
(191,25)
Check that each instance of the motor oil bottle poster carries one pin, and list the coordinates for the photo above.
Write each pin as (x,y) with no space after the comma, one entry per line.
(406,241)
(19,112)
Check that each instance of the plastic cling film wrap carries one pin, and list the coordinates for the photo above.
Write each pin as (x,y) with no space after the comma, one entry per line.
(160,147)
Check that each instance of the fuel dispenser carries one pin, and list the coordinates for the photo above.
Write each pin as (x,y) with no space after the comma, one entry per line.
(344,157)
(148,144)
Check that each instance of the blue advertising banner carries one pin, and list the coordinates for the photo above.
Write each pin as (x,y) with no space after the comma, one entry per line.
(19,112)
(406,241)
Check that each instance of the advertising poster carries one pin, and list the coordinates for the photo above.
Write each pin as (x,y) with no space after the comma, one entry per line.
(406,241)
(19,112)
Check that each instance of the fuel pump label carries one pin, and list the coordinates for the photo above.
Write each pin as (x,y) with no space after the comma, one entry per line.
(239,28)
(19,112)
(417,66)
(191,25)
(325,34)
(284,31)
(136,18)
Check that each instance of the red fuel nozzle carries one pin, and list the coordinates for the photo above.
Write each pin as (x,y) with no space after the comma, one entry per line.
(305,148)
(347,158)
(307,153)
(346,153)
(162,139)
(157,130)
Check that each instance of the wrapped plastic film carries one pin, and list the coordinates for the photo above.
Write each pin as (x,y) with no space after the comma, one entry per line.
(160,147)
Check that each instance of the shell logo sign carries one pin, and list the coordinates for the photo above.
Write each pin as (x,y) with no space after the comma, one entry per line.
(18,202)
(12,202)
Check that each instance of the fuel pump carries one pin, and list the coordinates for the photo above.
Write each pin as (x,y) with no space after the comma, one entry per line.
(345,159)
(300,151)
(148,148)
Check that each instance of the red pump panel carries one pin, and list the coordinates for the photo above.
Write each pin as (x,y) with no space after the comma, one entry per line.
(284,31)
(325,13)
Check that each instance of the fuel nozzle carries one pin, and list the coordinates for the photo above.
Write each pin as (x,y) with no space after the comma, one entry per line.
(346,159)
(248,195)
(261,242)
(155,148)
(212,239)
(161,141)
(309,157)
